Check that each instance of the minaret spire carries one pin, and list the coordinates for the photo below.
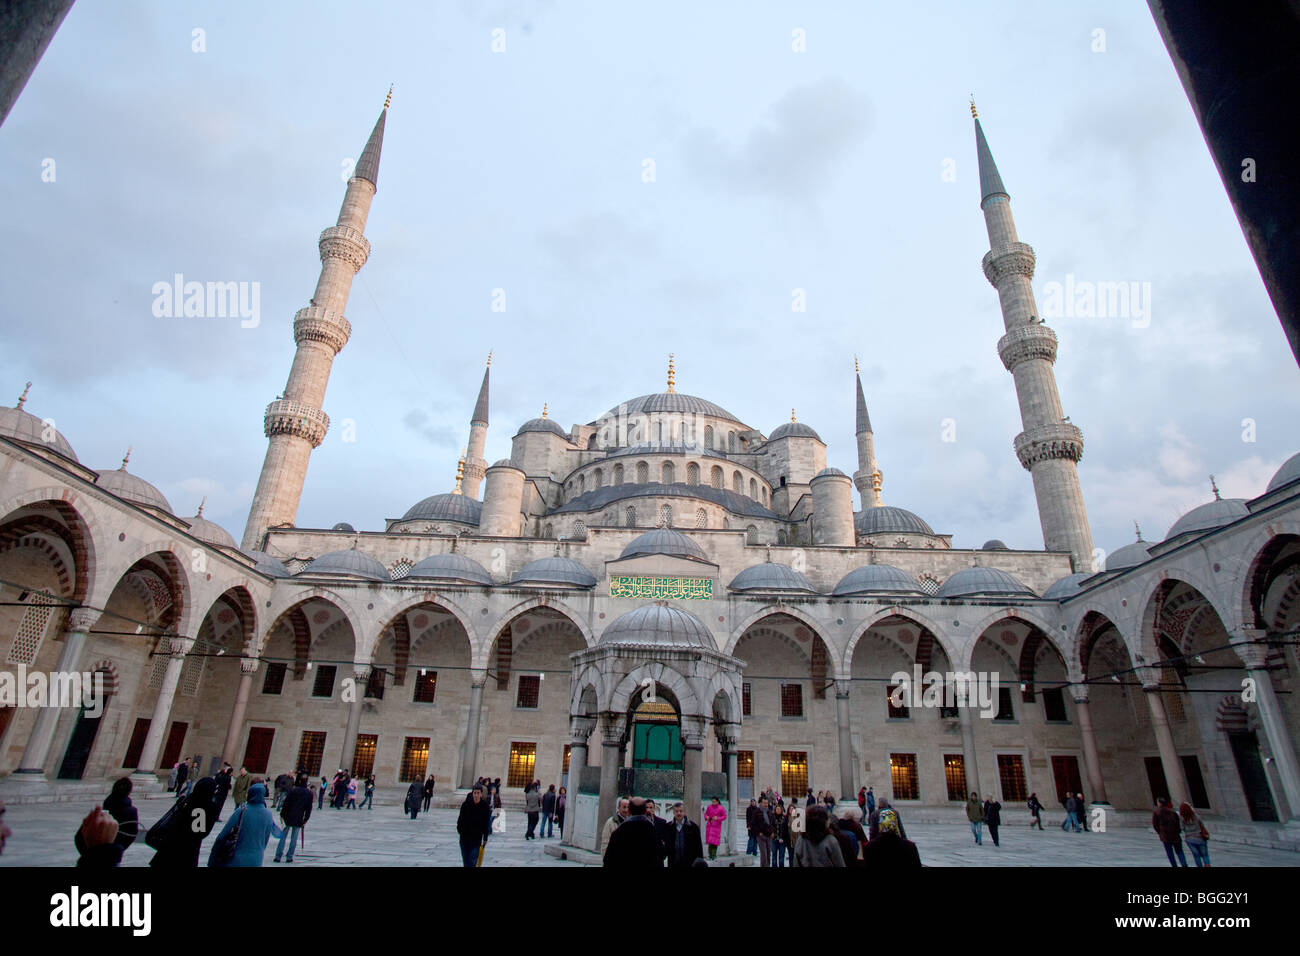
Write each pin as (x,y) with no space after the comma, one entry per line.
(1050,446)
(23,397)
(672,375)
(868,477)
(475,466)
(295,423)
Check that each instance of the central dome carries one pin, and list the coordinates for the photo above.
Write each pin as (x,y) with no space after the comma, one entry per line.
(661,626)
(671,402)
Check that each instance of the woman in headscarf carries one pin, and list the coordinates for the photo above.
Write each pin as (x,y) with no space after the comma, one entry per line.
(189,826)
(414,797)
(818,847)
(256,827)
(123,811)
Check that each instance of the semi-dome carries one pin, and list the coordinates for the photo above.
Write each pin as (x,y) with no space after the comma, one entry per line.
(994,544)
(350,563)
(829,473)
(877,578)
(19,425)
(661,626)
(451,567)
(671,402)
(771,577)
(793,430)
(1213,514)
(1129,556)
(885,519)
(446,507)
(542,425)
(664,541)
(556,571)
(128,487)
(268,565)
(1289,472)
(209,532)
(1067,586)
(344,527)
(976,581)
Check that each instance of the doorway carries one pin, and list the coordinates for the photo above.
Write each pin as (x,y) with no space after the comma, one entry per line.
(1254,781)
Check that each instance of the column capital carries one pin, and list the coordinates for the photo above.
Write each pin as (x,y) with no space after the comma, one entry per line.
(361,671)
(249,665)
(1079,692)
(580,729)
(1249,643)
(478,678)
(611,729)
(82,619)
(842,688)
(180,646)
(1150,678)
(693,741)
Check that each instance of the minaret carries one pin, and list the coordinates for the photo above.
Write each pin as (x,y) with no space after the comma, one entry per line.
(294,422)
(475,465)
(1049,447)
(867,478)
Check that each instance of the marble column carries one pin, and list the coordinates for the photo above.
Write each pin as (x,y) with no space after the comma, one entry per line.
(1091,759)
(247,668)
(1175,778)
(579,731)
(37,751)
(159,724)
(1272,720)
(731,761)
(966,714)
(469,746)
(693,765)
(360,678)
(847,794)
(611,761)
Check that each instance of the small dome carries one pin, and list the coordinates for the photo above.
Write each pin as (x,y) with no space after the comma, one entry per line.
(505,463)
(771,577)
(829,473)
(874,578)
(1288,473)
(210,532)
(352,563)
(20,425)
(1208,516)
(994,544)
(128,487)
(564,572)
(793,430)
(268,565)
(664,541)
(975,581)
(344,527)
(1068,586)
(659,625)
(446,507)
(451,567)
(542,425)
(1128,556)
(887,520)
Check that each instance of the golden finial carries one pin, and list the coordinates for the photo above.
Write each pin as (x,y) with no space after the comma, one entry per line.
(201,504)
(489,358)
(856,369)
(792,418)
(672,376)
(23,397)
(973,111)
(1214,488)
(460,472)
(544,407)
(126,457)
(389,98)
(1138,530)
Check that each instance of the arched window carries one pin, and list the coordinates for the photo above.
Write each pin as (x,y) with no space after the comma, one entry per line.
(731,441)
(751,535)
(618,474)
(662,431)
(667,473)
(582,481)
(715,477)
(738,483)
(708,436)
(693,474)
(630,516)
(753,489)
(642,472)
(591,443)
(549,532)
(765,494)
(780,535)
(578,531)
(701,518)
(597,478)
(666,516)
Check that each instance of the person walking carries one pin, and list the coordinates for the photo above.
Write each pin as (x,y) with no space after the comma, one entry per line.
(532,807)
(818,847)
(225,782)
(295,811)
(1194,833)
(1071,823)
(171,777)
(561,804)
(613,823)
(1169,828)
(808,801)
(763,829)
(751,849)
(993,817)
(182,775)
(862,801)
(780,835)
(975,814)
(1083,811)
(368,801)
(414,796)
(190,821)
(713,818)
(891,851)
(683,840)
(352,794)
(243,783)
(871,804)
(548,813)
(473,825)
(634,845)
(320,794)
(428,792)
(1035,812)
(255,825)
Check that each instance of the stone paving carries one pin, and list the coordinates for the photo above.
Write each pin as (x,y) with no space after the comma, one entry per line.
(42,836)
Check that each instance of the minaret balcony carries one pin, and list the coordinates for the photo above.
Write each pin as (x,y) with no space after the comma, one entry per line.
(1034,341)
(1014,258)
(285,417)
(346,243)
(1045,442)
(317,324)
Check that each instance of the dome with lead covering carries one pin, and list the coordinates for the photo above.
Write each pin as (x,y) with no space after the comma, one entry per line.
(209,532)
(542,425)
(556,572)
(451,567)
(771,577)
(445,507)
(670,402)
(1207,517)
(661,626)
(505,463)
(1129,556)
(1067,586)
(664,541)
(268,565)
(1289,472)
(19,425)
(128,487)
(877,578)
(793,430)
(976,581)
(888,520)
(350,563)
(344,527)
(829,473)
(994,544)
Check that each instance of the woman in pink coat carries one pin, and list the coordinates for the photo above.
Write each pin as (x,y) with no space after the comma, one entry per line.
(713,817)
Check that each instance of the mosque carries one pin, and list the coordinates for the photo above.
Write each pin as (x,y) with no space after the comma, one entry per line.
(666,600)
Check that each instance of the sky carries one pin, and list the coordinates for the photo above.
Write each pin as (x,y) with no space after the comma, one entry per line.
(637,180)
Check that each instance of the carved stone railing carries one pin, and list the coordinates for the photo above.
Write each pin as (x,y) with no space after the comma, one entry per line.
(1045,442)
(284,417)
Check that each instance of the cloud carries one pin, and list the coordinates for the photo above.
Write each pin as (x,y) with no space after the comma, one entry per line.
(440,436)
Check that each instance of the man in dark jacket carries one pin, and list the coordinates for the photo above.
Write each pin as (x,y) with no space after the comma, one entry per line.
(225,780)
(1169,828)
(548,813)
(763,826)
(750,811)
(182,774)
(993,817)
(414,797)
(635,845)
(295,811)
(888,849)
(473,825)
(683,841)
